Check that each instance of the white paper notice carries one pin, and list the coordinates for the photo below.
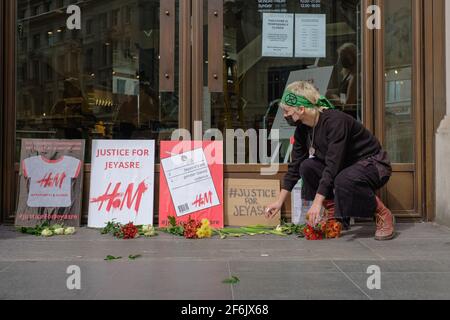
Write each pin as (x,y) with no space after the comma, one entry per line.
(278,35)
(310,35)
(188,176)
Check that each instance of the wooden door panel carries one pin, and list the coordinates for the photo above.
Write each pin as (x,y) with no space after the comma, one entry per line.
(399,113)
(400,192)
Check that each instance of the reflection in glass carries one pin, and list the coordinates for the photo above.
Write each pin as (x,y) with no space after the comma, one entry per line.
(399,116)
(100,82)
(254,84)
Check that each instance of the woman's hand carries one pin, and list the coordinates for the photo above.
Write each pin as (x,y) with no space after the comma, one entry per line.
(273,209)
(314,215)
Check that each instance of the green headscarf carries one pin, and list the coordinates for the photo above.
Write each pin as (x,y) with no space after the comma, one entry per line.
(292,99)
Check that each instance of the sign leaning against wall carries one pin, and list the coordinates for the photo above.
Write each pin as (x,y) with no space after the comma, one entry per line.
(191,182)
(122,182)
(51,181)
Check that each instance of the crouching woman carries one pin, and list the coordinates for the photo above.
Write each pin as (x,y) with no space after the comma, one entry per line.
(341,163)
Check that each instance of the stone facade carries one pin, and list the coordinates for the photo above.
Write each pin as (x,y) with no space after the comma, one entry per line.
(443,146)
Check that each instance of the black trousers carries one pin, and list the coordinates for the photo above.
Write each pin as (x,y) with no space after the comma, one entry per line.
(354,187)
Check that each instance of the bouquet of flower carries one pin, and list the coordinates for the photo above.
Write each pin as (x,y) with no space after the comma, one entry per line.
(205,230)
(128,231)
(191,229)
(46,230)
(327,229)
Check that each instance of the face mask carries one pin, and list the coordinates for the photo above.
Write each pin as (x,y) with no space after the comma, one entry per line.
(290,120)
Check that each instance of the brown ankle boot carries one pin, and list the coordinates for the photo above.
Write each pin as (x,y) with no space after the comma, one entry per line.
(330,209)
(385,222)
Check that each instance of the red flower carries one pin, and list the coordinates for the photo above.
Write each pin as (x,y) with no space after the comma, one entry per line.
(313,234)
(129,231)
(334,229)
(308,230)
(190,229)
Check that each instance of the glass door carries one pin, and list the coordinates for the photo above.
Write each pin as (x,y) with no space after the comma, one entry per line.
(104,69)
(117,77)
(249,58)
(399,124)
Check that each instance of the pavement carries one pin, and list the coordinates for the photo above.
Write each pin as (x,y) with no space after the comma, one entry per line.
(416,265)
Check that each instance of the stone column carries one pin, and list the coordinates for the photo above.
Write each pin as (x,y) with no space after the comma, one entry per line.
(443,143)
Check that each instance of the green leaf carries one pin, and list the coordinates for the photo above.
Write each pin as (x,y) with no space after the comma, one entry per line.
(111,258)
(232,231)
(232,280)
(260,227)
(172,221)
(277,233)
(111,228)
(134,257)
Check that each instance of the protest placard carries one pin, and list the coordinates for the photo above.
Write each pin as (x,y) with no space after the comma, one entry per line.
(246,202)
(122,182)
(51,181)
(191,182)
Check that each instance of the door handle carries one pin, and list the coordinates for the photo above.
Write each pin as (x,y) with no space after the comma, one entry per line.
(215,46)
(167,46)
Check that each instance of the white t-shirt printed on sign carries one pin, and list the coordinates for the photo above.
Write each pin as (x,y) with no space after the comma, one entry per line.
(50,181)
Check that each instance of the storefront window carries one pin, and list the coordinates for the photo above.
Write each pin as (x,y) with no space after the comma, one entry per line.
(398,60)
(259,58)
(100,82)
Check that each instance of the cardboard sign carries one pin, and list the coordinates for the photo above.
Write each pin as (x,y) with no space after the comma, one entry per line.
(246,202)
(191,182)
(122,182)
(51,181)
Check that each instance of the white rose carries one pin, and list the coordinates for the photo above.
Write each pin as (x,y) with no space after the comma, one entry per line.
(69,231)
(59,231)
(147,228)
(150,234)
(46,233)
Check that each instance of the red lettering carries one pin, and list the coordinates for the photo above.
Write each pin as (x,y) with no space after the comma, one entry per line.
(49,181)
(203,199)
(137,198)
(118,200)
